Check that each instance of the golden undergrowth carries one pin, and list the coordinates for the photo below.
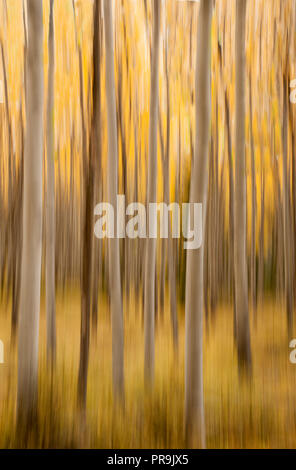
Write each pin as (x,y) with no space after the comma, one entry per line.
(260,414)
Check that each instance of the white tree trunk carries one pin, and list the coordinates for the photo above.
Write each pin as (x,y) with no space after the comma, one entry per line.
(112,170)
(32,223)
(150,258)
(240,255)
(194,403)
(50,201)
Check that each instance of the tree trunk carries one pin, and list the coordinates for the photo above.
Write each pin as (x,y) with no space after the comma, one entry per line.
(32,224)
(170,246)
(50,202)
(87,244)
(240,261)
(112,171)
(287,221)
(254,210)
(150,259)
(194,403)
(96,156)
(231,213)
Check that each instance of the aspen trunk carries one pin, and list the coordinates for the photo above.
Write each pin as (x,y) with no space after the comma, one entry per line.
(32,224)
(254,211)
(87,244)
(240,261)
(50,202)
(170,246)
(231,212)
(194,402)
(287,221)
(150,258)
(112,172)
(96,156)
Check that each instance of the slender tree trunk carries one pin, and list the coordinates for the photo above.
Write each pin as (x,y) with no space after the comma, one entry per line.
(231,212)
(50,202)
(164,241)
(32,224)
(112,171)
(261,240)
(87,244)
(254,210)
(97,158)
(240,261)
(17,224)
(194,402)
(150,258)
(86,252)
(170,246)
(287,221)
(11,249)
(293,195)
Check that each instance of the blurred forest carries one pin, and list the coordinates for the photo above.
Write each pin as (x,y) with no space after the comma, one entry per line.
(139,343)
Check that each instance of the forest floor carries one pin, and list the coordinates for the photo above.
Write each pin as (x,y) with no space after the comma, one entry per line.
(260,414)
